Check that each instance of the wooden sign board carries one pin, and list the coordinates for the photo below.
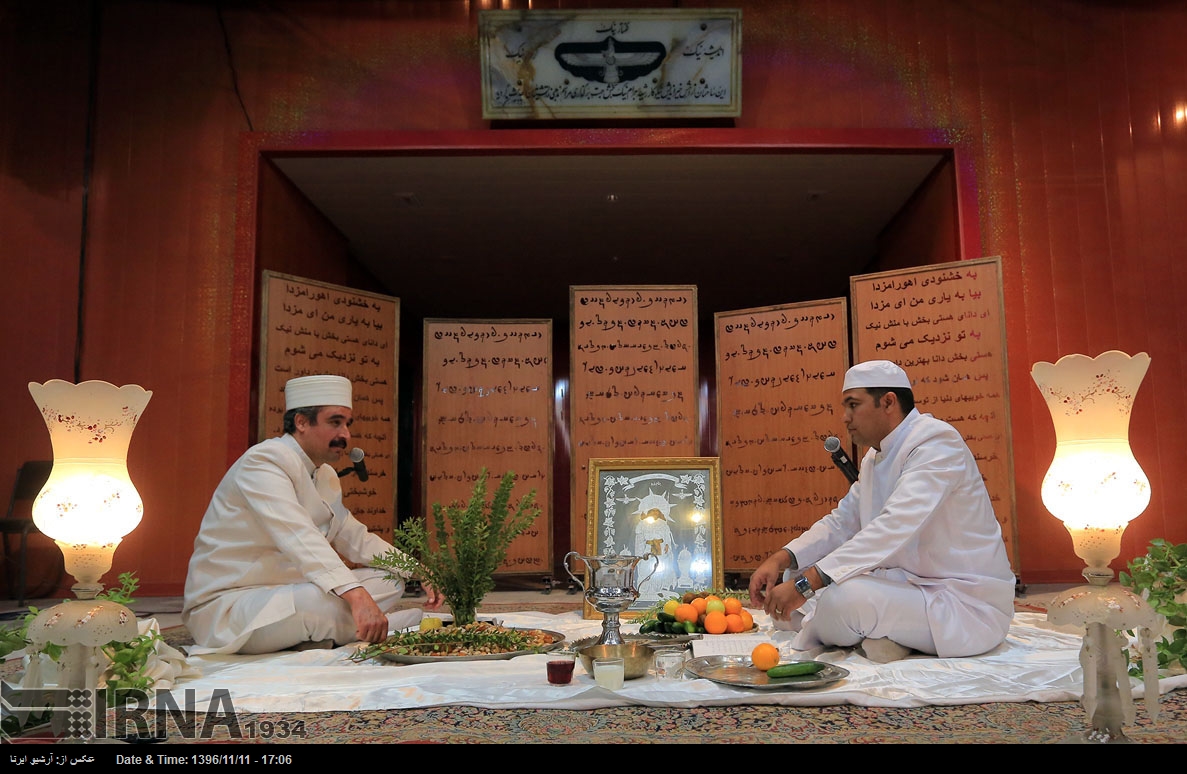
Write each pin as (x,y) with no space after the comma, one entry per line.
(488,404)
(779,375)
(633,393)
(309,327)
(945,325)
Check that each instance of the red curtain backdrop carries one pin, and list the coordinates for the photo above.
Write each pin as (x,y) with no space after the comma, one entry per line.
(122,213)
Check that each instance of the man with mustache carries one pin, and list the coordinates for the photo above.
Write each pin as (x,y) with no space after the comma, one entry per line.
(267,572)
(912,558)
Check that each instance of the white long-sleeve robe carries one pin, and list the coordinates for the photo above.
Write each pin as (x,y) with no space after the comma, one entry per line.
(274,521)
(920,511)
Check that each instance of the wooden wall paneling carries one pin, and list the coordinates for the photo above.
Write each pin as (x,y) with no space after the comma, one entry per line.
(309,327)
(633,366)
(945,325)
(800,87)
(487,397)
(779,376)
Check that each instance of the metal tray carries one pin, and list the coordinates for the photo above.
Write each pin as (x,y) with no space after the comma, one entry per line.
(557,639)
(739,672)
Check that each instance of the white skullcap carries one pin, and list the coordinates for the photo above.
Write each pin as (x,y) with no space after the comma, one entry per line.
(876,373)
(320,390)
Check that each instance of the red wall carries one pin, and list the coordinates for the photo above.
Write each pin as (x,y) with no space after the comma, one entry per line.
(1071,112)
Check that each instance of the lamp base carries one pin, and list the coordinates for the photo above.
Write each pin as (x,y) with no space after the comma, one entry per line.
(93,622)
(1103,611)
(80,628)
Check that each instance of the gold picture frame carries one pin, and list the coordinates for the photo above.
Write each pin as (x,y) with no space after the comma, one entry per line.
(667,506)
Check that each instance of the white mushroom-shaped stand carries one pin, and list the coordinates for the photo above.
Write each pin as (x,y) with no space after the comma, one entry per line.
(1104,611)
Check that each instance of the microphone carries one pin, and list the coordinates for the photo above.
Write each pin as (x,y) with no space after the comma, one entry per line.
(832,445)
(358,467)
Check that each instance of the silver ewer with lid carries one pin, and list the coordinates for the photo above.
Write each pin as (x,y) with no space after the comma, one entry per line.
(611,587)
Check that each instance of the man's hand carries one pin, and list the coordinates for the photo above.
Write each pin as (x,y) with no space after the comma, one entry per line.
(433,597)
(767,577)
(782,600)
(369,621)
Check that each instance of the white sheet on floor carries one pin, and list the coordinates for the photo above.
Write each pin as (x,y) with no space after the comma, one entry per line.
(1038,662)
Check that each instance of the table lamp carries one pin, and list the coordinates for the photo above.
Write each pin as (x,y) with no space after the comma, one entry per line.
(1096,487)
(87,506)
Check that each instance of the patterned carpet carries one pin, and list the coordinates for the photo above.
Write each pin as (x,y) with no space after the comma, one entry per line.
(1026,723)
(1000,723)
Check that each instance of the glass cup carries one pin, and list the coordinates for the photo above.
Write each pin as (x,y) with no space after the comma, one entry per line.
(609,672)
(669,664)
(560,666)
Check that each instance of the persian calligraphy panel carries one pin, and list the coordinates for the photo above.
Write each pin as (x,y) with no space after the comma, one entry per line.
(945,325)
(779,376)
(633,360)
(488,404)
(309,327)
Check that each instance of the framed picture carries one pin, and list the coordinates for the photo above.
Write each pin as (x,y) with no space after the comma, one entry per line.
(668,507)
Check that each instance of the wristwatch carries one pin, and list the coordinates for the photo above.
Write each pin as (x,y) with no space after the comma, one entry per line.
(804,587)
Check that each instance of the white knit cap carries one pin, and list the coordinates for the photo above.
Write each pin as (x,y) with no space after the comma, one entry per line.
(320,390)
(876,373)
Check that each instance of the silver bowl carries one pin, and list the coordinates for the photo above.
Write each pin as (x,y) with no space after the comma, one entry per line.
(637,657)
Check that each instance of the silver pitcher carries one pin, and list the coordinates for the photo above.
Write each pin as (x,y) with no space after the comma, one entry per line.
(611,587)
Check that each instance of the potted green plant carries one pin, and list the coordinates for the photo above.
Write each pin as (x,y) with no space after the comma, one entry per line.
(1161,578)
(471,543)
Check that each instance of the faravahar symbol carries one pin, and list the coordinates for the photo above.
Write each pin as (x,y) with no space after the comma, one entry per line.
(610,61)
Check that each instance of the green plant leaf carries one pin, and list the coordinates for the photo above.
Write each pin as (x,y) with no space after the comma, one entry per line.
(471,541)
(1160,577)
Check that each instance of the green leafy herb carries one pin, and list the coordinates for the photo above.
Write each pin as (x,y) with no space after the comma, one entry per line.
(15,635)
(470,639)
(123,595)
(125,674)
(1161,577)
(471,543)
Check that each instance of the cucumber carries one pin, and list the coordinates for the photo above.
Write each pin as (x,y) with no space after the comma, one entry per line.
(663,617)
(795,668)
(648,627)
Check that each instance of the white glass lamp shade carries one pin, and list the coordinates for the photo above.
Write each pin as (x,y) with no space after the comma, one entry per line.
(88,504)
(1094,484)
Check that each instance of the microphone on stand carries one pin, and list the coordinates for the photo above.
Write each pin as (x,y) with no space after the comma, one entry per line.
(832,445)
(358,467)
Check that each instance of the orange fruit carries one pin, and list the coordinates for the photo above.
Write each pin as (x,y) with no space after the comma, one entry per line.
(699,603)
(764,656)
(715,622)
(732,605)
(734,623)
(686,613)
(746,619)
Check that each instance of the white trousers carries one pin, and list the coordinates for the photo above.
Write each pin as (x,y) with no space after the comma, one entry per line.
(867,606)
(321,616)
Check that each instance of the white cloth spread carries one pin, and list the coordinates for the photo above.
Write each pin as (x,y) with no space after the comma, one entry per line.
(1037,662)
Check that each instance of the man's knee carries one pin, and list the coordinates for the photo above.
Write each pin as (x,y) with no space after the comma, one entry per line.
(846,613)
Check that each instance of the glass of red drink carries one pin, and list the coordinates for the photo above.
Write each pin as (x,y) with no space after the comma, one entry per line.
(560,666)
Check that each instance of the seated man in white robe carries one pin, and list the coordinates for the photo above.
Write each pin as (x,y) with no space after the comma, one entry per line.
(267,572)
(912,558)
